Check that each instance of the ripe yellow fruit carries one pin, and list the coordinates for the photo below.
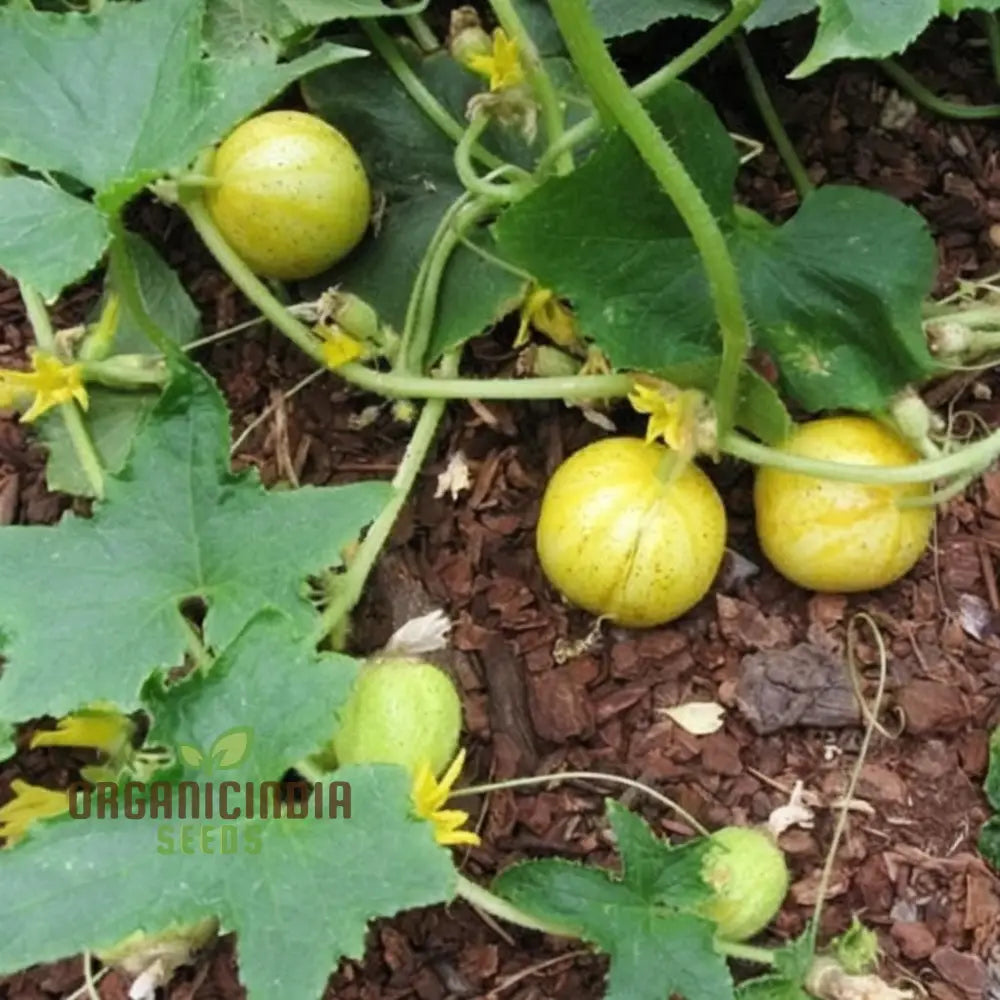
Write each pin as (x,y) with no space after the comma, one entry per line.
(841,537)
(619,539)
(292,197)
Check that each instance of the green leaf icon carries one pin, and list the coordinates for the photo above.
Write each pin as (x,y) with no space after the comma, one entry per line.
(231,747)
(191,756)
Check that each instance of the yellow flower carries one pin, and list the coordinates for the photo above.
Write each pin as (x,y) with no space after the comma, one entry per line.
(338,347)
(502,67)
(543,311)
(51,381)
(106,731)
(429,795)
(673,414)
(30,802)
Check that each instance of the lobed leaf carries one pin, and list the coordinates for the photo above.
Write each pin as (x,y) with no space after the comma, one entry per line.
(307,891)
(833,295)
(641,920)
(177,525)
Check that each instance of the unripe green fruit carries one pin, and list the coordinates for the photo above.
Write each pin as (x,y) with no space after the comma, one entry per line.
(747,869)
(400,712)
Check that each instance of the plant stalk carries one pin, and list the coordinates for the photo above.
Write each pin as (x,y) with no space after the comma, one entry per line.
(349,586)
(538,79)
(419,93)
(69,412)
(974,456)
(912,87)
(772,120)
(609,88)
(590,127)
(490,903)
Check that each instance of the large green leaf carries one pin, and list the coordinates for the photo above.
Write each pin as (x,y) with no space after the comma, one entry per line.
(298,892)
(269,683)
(95,606)
(410,162)
(262,28)
(48,238)
(833,295)
(865,29)
(641,919)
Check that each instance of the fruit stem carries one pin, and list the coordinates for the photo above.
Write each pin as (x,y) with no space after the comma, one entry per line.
(347,588)
(489,902)
(538,79)
(911,86)
(610,91)
(680,64)
(771,118)
(614,779)
(69,412)
(419,94)
(970,457)
(391,384)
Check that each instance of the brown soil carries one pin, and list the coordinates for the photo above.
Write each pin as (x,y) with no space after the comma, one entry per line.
(539,699)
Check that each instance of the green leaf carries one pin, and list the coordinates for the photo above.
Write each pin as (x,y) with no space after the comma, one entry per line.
(864,29)
(956,7)
(177,525)
(165,298)
(268,701)
(833,295)
(622,17)
(656,948)
(75,98)
(7,747)
(49,239)
(989,842)
(262,28)
(113,420)
(409,161)
(291,887)
(772,12)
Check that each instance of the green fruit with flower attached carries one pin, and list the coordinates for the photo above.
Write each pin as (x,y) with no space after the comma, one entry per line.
(400,711)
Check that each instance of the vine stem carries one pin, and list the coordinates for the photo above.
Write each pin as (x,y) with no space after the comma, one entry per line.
(481,186)
(391,384)
(911,86)
(771,118)
(655,82)
(481,898)
(419,93)
(973,456)
(991,27)
(610,91)
(69,412)
(538,79)
(349,586)
(614,779)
